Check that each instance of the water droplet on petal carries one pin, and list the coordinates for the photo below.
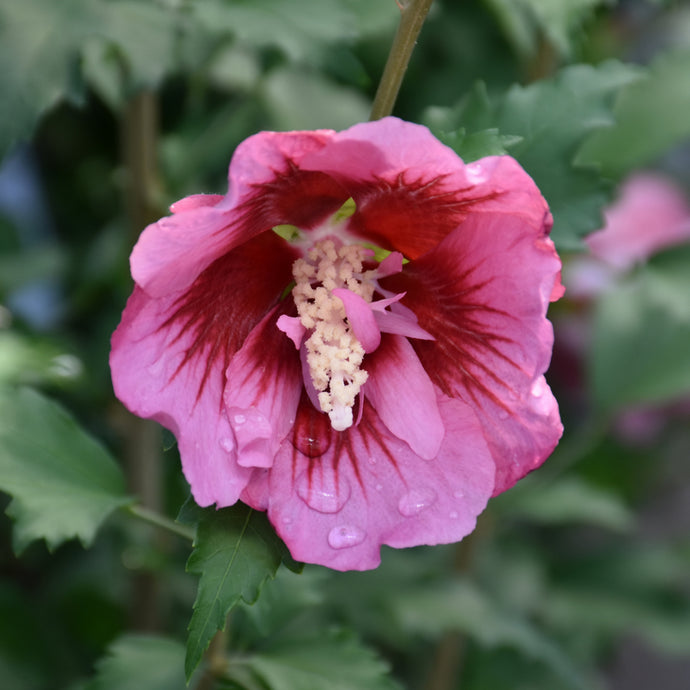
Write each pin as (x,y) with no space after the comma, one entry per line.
(239,419)
(415,500)
(453,515)
(227,444)
(379,487)
(312,432)
(323,489)
(459,494)
(538,388)
(345,536)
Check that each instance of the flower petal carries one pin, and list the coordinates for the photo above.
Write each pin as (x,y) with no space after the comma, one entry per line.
(403,396)
(264,383)
(145,361)
(411,190)
(170,354)
(266,188)
(336,497)
(293,329)
(361,318)
(483,294)
(651,213)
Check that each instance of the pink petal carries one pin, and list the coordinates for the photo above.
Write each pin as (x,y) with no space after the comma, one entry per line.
(393,263)
(194,201)
(389,322)
(411,190)
(170,354)
(356,490)
(361,318)
(650,213)
(145,361)
(293,329)
(264,384)
(266,188)
(404,397)
(483,294)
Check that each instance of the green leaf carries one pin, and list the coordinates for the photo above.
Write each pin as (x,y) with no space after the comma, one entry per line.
(302,99)
(461,606)
(612,614)
(651,116)
(567,500)
(544,125)
(487,142)
(29,361)
(641,332)
(558,20)
(297,28)
(135,662)
(43,41)
(554,117)
(331,661)
(236,550)
(63,483)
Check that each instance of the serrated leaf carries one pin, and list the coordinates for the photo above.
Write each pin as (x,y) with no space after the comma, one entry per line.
(135,662)
(64,484)
(332,661)
(549,121)
(567,500)
(651,116)
(235,551)
(487,142)
(640,351)
(554,117)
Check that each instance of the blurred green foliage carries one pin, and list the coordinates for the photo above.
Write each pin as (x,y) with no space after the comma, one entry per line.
(561,570)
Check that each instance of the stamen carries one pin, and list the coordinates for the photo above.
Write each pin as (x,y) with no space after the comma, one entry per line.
(334,355)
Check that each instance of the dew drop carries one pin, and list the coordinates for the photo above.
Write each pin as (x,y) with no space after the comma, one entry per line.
(459,494)
(453,515)
(323,490)
(345,536)
(475,173)
(239,419)
(416,500)
(379,487)
(312,432)
(227,444)
(372,460)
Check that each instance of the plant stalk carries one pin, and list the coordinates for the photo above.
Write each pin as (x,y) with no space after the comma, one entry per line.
(412,16)
(153,518)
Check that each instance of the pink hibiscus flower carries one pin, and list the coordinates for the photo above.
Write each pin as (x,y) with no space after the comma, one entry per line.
(353,338)
(651,213)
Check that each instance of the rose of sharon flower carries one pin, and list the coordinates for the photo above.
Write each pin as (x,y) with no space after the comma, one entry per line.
(651,213)
(353,338)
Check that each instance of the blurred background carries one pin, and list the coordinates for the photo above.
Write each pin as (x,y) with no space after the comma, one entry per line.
(578,577)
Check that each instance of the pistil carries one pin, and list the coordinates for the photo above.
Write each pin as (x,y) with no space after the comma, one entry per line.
(333,353)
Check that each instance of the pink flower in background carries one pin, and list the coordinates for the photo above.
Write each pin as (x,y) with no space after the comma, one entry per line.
(353,338)
(650,214)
